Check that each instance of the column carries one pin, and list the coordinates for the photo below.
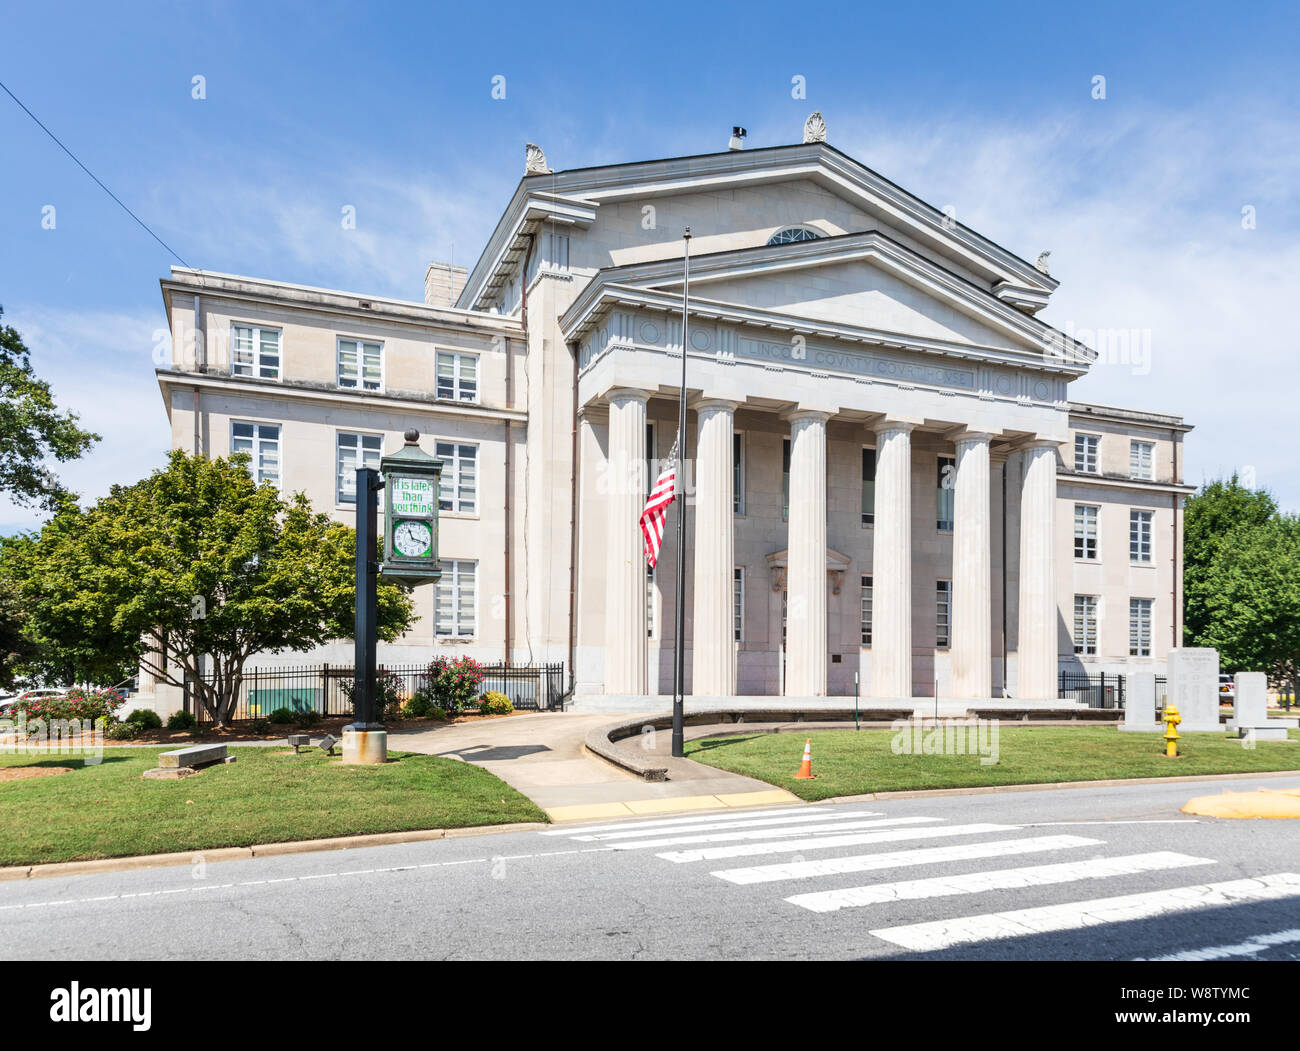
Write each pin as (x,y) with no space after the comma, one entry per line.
(891,563)
(1036,658)
(713,645)
(626,487)
(805,659)
(972,600)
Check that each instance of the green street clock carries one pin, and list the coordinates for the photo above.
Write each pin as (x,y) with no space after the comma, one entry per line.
(411,478)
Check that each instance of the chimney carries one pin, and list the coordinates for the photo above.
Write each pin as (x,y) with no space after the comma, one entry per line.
(737,138)
(443,284)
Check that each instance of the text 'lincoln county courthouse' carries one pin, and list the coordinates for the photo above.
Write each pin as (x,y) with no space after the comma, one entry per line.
(888,477)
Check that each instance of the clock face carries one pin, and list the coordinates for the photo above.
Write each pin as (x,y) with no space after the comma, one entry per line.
(413,539)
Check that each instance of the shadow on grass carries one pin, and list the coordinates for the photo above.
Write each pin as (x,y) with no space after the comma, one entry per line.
(75,761)
(709,744)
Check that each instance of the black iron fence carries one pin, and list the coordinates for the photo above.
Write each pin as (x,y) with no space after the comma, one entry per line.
(327,688)
(1095,689)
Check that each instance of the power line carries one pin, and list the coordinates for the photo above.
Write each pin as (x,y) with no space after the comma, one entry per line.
(143,225)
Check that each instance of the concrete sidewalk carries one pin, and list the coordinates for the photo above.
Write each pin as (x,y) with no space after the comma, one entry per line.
(542,755)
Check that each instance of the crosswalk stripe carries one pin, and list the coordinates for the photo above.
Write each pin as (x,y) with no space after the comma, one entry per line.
(1075,915)
(1257,944)
(859,839)
(752,822)
(760,833)
(998,879)
(673,821)
(902,859)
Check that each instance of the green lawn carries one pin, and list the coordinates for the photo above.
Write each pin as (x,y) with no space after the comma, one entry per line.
(849,762)
(268,795)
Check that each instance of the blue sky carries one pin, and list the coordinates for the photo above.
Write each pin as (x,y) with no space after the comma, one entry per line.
(388,108)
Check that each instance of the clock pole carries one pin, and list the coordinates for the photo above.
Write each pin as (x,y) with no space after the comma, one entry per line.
(365,740)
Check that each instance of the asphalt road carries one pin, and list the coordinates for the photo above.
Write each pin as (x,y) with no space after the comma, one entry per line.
(1014,875)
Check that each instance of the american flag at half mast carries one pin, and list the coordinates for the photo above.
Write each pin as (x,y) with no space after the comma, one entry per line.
(656,507)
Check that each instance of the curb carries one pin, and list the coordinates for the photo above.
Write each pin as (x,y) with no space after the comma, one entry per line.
(261,850)
(1113,783)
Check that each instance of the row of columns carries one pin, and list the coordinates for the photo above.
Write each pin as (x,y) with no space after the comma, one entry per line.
(714,664)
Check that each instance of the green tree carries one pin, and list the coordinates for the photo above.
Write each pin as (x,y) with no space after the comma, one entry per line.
(1253,600)
(194,561)
(1219,511)
(32,429)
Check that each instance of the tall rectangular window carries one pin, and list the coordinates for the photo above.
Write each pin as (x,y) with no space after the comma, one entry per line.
(1085,531)
(353,451)
(785,479)
(738,472)
(262,443)
(360,364)
(738,603)
(457,376)
(1085,624)
(255,351)
(459,488)
(947,492)
(1141,459)
(1139,536)
(455,600)
(1139,627)
(1085,452)
(943,614)
(866,610)
(868,486)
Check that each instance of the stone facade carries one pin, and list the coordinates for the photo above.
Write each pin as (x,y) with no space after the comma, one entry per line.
(872,401)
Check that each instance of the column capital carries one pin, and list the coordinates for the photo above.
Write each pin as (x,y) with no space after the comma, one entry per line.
(628,394)
(958,435)
(706,402)
(1041,441)
(891,424)
(802,412)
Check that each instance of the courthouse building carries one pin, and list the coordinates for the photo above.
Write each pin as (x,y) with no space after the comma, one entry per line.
(888,478)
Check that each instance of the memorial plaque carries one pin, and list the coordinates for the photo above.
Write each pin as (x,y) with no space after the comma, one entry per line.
(1194,687)
(1140,703)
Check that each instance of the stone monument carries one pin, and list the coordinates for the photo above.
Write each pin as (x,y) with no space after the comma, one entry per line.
(1250,719)
(1140,703)
(1194,687)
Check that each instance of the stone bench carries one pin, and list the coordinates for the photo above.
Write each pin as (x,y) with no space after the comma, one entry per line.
(182,762)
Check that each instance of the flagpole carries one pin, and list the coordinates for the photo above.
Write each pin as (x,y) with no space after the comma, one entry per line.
(679,643)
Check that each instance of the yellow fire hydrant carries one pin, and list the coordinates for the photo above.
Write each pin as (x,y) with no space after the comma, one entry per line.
(1172,719)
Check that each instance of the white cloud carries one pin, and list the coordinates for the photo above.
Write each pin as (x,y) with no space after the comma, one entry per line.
(100,366)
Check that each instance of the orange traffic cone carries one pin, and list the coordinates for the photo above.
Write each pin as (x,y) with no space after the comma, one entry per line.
(805,769)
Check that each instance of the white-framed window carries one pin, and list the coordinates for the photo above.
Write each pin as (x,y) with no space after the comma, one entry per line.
(1141,459)
(868,486)
(353,451)
(255,351)
(1085,452)
(943,614)
(738,603)
(1085,531)
(785,479)
(457,375)
(651,606)
(459,486)
(1139,535)
(1085,624)
(738,472)
(1139,627)
(455,600)
(360,364)
(262,443)
(866,609)
(792,234)
(946,483)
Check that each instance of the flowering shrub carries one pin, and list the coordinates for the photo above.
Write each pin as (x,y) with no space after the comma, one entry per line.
(76,703)
(452,684)
(390,694)
(495,703)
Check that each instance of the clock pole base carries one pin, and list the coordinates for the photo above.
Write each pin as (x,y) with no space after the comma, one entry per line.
(364,747)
